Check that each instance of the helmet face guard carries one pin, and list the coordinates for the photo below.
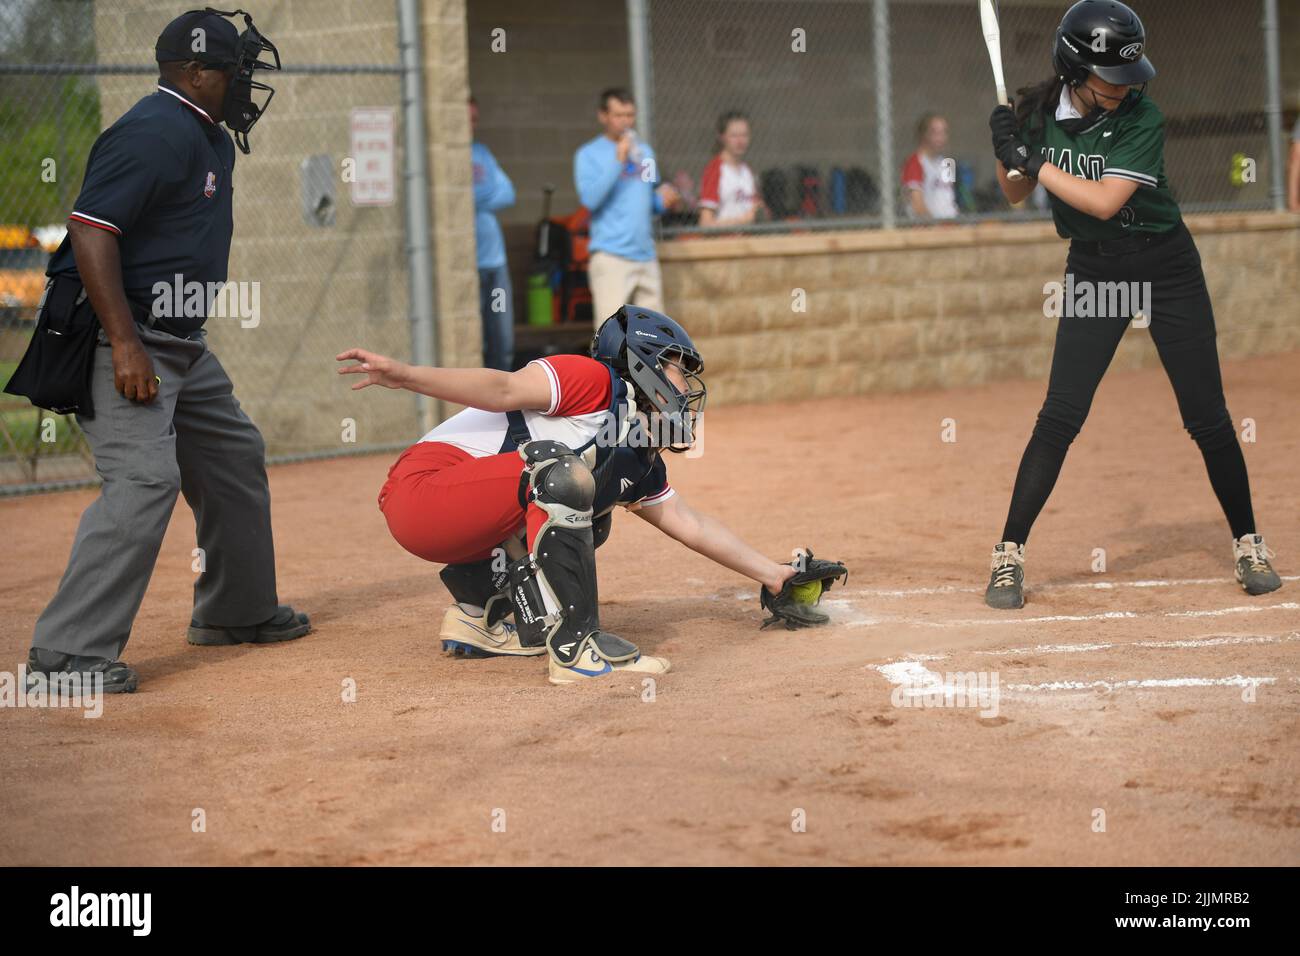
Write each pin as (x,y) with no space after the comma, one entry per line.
(642,345)
(675,413)
(241,113)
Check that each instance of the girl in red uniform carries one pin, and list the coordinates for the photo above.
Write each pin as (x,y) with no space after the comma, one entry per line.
(515,492)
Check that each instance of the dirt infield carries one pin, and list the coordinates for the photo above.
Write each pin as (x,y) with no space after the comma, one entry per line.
(1147,715)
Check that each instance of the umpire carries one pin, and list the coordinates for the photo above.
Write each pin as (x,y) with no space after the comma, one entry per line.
(155,209)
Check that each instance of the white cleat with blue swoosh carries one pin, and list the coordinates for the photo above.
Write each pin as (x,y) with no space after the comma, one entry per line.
(464,635)
(591,665)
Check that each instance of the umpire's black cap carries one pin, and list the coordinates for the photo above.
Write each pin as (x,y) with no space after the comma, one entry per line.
(198,35)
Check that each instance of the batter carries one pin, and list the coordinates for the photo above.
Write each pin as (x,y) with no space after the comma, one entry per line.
(1095,142)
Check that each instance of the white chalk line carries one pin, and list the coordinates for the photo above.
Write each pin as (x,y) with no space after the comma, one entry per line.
(842,606)
(1195,642)
(1189,643)
(917,680)
(845,605)
(1010,620)
(1285,606)
(1236,680)
(1072,586)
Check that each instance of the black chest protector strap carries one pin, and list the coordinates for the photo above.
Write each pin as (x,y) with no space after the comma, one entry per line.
(518,435)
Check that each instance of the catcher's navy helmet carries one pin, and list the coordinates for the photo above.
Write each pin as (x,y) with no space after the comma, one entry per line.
(639,343)
(1104,37)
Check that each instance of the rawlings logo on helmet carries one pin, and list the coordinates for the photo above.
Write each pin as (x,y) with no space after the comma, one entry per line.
(1132,51)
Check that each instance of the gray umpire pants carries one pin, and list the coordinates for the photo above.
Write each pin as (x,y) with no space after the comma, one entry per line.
(195,439)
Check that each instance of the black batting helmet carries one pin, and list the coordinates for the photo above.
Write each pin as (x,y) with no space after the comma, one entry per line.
(1104,37)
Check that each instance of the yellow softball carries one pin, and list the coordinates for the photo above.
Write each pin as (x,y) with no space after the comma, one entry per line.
(807,593)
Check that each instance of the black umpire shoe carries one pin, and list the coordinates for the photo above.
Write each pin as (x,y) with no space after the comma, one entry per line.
(45,669)
(285,625)
(1006,590)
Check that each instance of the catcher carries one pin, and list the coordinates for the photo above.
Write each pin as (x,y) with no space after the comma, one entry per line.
(515,493)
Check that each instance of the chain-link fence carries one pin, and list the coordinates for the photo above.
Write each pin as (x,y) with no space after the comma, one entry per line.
(319,257)
(834,95)
(838,97)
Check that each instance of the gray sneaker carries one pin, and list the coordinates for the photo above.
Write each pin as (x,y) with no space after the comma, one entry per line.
(1254,573)
(1006,590)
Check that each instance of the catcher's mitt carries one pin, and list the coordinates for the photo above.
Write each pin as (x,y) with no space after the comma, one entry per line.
(795,605)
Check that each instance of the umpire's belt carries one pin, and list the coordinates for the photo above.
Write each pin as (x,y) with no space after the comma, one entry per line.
(143,315)
(1127,245)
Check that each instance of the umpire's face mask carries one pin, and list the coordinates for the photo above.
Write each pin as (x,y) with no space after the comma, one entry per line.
(240,112)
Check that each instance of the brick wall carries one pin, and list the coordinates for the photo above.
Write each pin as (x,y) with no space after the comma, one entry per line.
(913,309)
(446,77)
(934,308)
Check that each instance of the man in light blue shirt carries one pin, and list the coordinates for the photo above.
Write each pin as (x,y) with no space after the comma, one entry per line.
(493,190)
(618,181)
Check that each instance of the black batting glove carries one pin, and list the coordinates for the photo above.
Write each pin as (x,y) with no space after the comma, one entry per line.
(1002,121)
(1014,154)
(1034,164)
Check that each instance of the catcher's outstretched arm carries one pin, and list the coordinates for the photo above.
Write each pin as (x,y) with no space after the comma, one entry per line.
(484,388)
(710,537)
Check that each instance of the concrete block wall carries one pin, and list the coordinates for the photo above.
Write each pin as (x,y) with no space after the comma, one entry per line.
(885,311)
(937,308)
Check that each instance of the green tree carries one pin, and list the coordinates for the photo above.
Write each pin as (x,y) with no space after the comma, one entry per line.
(45,113)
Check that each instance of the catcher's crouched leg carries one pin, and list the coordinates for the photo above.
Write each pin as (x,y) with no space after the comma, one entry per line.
(463,633)
(553,588)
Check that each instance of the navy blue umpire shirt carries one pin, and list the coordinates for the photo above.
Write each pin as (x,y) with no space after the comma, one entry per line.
(160,180)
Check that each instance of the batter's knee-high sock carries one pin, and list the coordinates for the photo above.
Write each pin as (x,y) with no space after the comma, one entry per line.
(1226,466)
(1039,467)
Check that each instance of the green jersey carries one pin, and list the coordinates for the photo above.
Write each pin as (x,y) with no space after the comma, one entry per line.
(1128,144)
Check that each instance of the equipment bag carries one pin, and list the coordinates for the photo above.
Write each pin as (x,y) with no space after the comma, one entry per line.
(55,370)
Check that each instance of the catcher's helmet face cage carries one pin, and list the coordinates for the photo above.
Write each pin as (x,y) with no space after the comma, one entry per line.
(241,112)
(642,345)
(1104,38)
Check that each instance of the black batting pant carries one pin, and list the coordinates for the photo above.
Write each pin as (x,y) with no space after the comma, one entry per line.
(1182,327)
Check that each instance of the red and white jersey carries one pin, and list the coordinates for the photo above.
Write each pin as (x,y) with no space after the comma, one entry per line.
(937,191)
(581,394)
(728,189)
(580,397)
